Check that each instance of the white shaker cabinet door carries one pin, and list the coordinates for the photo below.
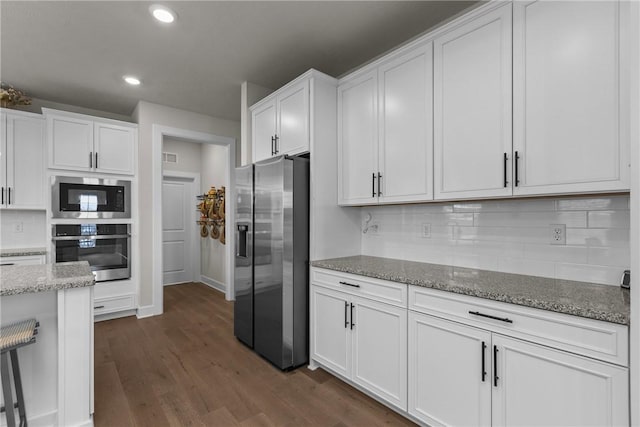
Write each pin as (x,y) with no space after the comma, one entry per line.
(570,106)
(406,127)
(25,163)
(70,143)
(449,372)
(380,350)
(330,330)
(292,106)
(540,386)
(263,131)
(358,140)
(472,108)
(115,149)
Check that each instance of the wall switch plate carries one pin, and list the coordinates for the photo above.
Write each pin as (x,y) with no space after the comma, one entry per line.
(18,227)
(426,230)
(558,234)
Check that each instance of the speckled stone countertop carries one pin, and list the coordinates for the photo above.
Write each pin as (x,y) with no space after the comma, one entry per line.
(22,251)
(22,279)
(590,300)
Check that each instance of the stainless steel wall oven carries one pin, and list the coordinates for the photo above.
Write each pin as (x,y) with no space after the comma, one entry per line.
(106,247)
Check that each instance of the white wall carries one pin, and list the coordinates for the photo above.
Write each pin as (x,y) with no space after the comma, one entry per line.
(214,169)
(510,236)
(189,155)
(38,104)
(34,232)
(146,115)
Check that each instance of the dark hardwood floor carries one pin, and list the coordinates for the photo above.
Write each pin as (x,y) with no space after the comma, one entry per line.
(185,368)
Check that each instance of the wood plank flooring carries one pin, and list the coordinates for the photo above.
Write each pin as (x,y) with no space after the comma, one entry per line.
(185,368)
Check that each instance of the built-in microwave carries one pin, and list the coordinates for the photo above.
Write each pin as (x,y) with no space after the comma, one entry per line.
(74,197)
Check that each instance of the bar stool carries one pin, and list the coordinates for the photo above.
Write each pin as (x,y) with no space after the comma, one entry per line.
(12,337)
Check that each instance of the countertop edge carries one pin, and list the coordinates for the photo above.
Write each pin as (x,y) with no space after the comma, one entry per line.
(551,306)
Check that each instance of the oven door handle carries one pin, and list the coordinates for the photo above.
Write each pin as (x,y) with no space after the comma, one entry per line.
(100,237)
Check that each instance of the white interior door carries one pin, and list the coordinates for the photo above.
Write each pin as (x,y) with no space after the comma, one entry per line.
(177,215)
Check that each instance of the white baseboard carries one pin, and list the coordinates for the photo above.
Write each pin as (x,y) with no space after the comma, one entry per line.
(213,283)
(115,315)
(42,420)
(147,311)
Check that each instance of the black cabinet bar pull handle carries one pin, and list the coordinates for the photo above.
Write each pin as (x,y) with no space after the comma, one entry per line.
(2,202)
(100,306)
(379,184)
(495,366)
(352,324)
(346,307)
(505,170)
(502,319)
(9,195)
(90,159)
(277,138)
(517,157)
(349,284)
(9,263)
(373,185)
(272,139)
(484,371)
(96,160)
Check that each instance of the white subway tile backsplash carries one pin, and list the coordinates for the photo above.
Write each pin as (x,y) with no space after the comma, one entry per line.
(34,233)
(531,219)
(593,204)
(510,235)
(609,219)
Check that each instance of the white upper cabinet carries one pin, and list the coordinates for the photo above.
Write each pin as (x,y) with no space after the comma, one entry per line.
(358,140)
(22,164)
(280,122)
(570,75)
(70,143)
(472,106)
(406,127)
(83,143)
(263,123)
(114,148)
(292,105)
(385,131)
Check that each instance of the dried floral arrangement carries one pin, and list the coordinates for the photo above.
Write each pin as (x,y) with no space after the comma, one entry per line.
(10,96)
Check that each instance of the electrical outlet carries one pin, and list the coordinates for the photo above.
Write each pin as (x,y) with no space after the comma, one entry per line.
(558,234)
(18,227)
(426,231)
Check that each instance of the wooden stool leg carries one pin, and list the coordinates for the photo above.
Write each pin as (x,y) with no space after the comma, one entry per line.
(6,390)
(18,385)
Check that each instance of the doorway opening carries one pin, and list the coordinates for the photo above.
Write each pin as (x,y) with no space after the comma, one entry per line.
(187,164)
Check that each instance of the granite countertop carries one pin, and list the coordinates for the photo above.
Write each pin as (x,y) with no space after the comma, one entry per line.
(22,279)
(590,300)
(22,251)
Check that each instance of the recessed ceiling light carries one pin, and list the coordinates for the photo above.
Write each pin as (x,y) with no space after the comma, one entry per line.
(162,13)
(133,81)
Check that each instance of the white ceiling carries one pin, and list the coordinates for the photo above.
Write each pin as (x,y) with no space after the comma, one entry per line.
(76,52)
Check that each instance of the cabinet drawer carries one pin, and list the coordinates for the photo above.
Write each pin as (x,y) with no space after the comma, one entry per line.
(376,289)
(593,338)
(110,305)
(22,260)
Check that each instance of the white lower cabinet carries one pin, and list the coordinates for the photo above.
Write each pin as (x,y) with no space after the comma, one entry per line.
(449,372)
(541,386)
(23,260)
(363,340)
(462,375)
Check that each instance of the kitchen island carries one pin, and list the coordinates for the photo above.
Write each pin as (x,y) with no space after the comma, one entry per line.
(57,371)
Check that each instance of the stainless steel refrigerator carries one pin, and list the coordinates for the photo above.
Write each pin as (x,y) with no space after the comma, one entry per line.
(272,258)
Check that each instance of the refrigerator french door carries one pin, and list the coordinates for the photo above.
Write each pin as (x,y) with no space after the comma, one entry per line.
(273,250)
